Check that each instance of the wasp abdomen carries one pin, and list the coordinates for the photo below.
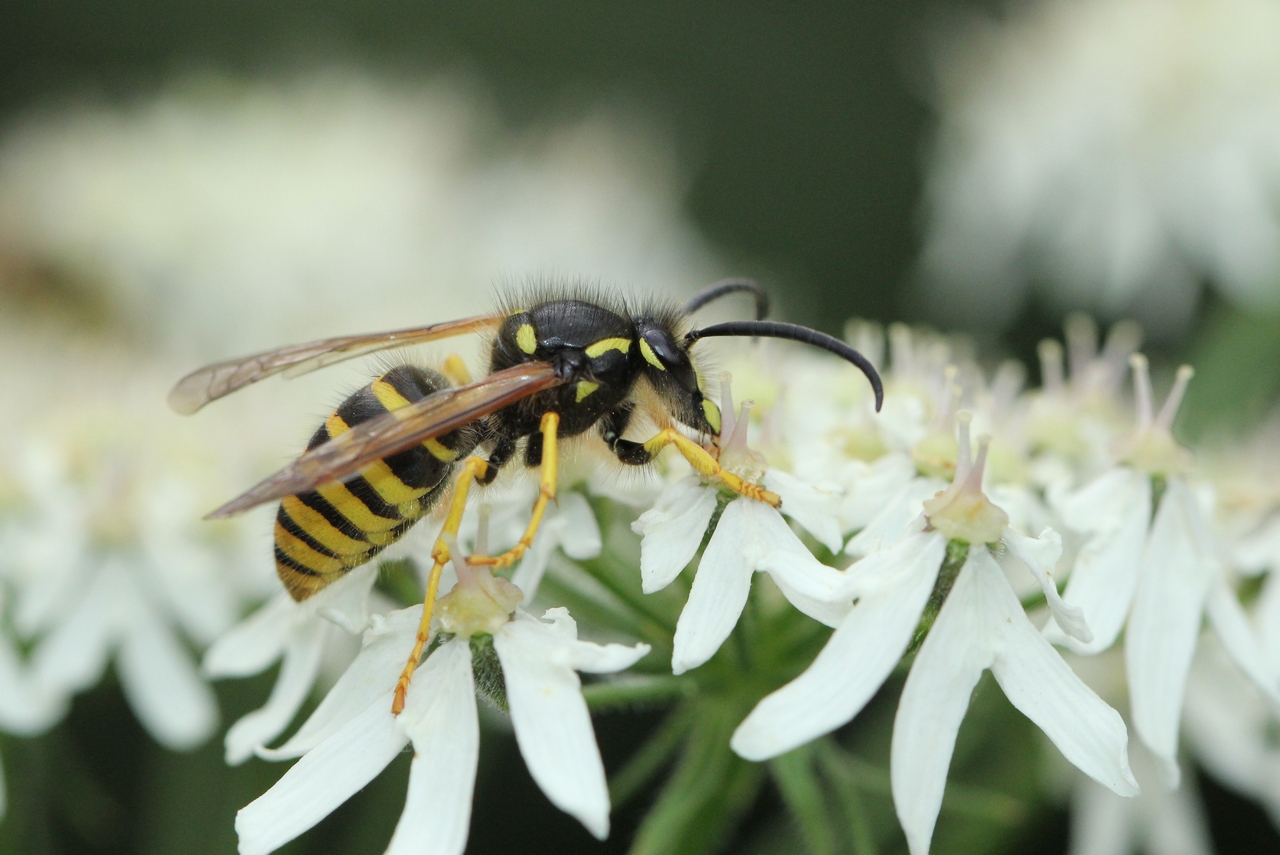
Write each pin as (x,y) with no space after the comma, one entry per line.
(322,534)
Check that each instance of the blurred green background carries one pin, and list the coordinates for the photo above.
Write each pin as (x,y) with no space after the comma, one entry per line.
(802,130)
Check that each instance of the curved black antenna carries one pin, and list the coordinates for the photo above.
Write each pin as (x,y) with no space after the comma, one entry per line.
(794,332)
(730,286)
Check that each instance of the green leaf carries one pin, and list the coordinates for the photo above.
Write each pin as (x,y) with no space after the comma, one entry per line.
(650,758)
(801,791)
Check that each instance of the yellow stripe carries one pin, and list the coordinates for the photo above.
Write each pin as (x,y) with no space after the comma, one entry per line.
(605,345)
(388,396)
(585,388)
(526,338)
(354,510)
(650,357)
(335,425)
(440,452)
(314,523)
(305,555)
(392,490)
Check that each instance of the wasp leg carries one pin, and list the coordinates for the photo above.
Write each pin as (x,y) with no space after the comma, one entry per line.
(699,459)
(456,370)
(547,491)
(502,451)
(473,469)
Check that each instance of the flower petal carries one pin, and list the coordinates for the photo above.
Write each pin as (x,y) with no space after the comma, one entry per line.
(812,506)
(1036,680)
(933,703)
(25,710)
(1116,509)
(252,645)
(551,721)
(440,716)
(1177,569)
(1230,622)
(871,486)
(326,777)
(1040,555)
(580,539)
(560,630)
(673,530)
(861,653)
(375,669)
(346,601)
(162,686)
(895,519)
(302,655)
(721,586)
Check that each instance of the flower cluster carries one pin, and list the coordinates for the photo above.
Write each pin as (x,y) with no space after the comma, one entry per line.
(920,552)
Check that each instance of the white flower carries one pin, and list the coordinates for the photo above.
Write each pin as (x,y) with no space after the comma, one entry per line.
(980,626)
(1155,577)
(1120,151)
(746,532)
(352,735)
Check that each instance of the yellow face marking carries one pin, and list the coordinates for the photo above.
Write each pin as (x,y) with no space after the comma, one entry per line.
(526,338)
(585,388)
(388,396)
(440,452)
(650,357)
(712,412)
(604,345)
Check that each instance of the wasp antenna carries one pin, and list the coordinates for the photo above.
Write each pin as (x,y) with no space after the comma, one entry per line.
(795,332)
(731,286)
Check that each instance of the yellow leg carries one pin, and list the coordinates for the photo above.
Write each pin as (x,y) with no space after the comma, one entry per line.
(473,468)
(456,370)
(547,492)
(707,465)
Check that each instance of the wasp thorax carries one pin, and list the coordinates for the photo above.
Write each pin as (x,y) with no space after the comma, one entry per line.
(962,511)
(479,603)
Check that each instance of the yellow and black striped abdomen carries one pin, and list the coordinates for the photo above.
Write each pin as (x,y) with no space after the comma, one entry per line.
(322,534)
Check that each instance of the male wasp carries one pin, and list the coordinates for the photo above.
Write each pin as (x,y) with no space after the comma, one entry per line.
(562,362)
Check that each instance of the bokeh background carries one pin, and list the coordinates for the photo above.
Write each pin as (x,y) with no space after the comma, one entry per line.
(150,197)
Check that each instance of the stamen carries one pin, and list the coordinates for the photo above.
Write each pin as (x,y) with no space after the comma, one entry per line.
(1082,344)
(973,481)
(1124,339)
(1051,376)
(1164,420)
(900,348)
(1007,384)
(482,530)
(963,461)
(728,418)
(737,443)
(951,399)
(1141,390)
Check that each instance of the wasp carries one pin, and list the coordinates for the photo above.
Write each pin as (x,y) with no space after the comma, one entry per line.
(561,363)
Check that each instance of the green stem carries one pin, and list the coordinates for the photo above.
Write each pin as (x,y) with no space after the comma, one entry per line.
(651,757)
(798,785)
(862,838)
(633,691)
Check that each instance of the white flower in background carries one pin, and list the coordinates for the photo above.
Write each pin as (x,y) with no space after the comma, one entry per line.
(352,735)
(225,216)
(1157,578)
(981,625)
(1119,151)
(747,530)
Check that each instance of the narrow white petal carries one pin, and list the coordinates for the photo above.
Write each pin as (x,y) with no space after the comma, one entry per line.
(861,653)
(375,669)
(871,486)
(297,675)
(813,506)
(933,703)
(1177,568)
(1116,510)
(73,656)
(252,645)
(1259,551)
(551,721)
(440,716)
(557,634)
(326,777)
(346,601)
(895,519)
(797,570)
(533,566)
(1036,680)
(580,539)
(719,591)
(1267,618)
(824,612)
(161,684)
(25,709)
(672,530)
(1101,822)
(1040,555)
(1230,622)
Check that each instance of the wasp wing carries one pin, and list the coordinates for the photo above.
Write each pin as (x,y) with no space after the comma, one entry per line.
(347,453)
(222,378)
